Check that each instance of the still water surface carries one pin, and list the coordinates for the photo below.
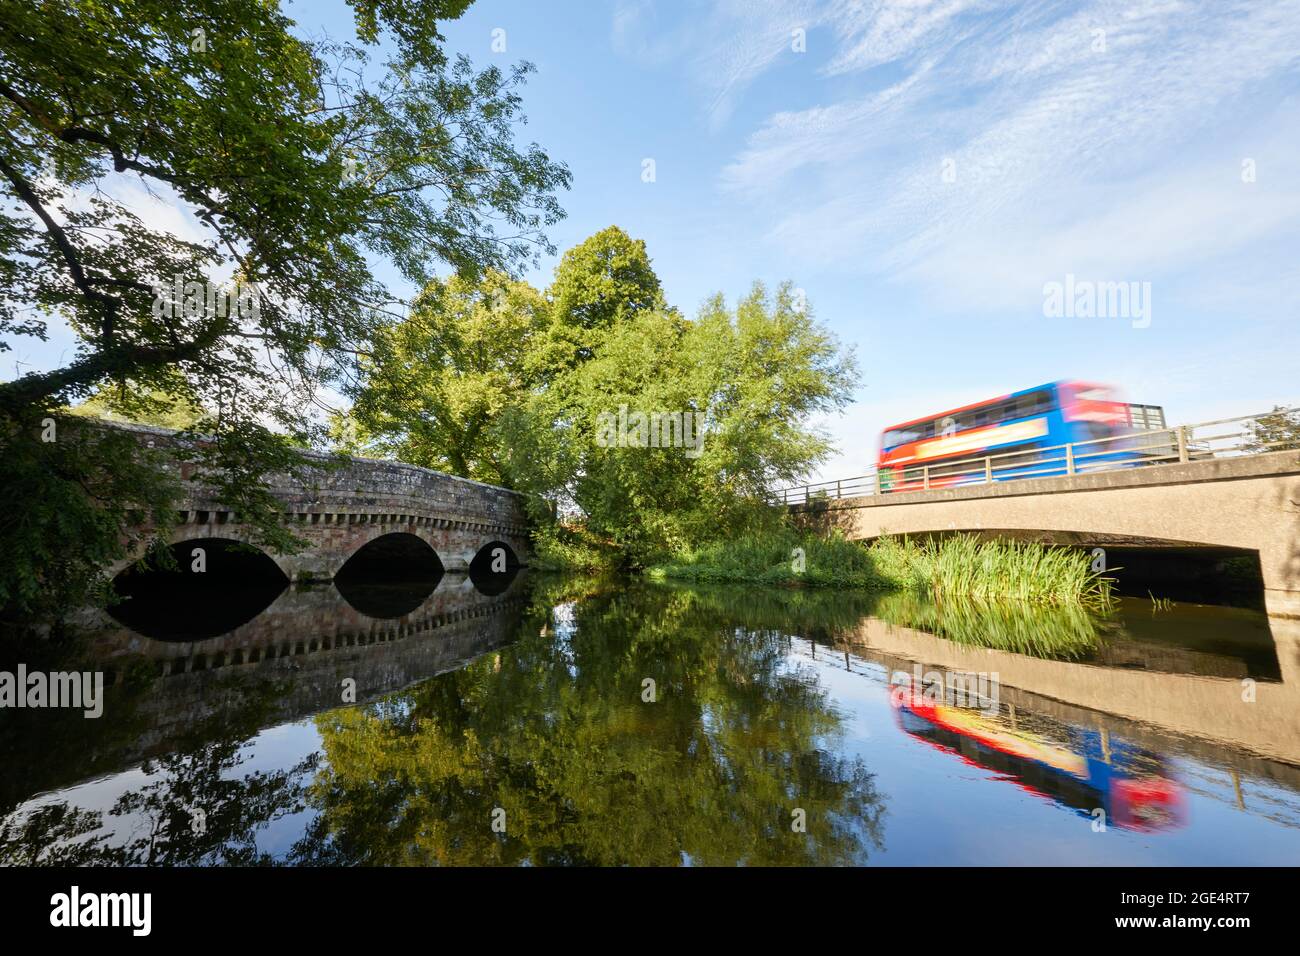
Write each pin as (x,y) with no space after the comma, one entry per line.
(545,721)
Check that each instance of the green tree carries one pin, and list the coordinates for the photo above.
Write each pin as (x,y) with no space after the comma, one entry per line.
(148,407)
(299,163)
(749,379)
(438,383)
(477,379)
(603,281)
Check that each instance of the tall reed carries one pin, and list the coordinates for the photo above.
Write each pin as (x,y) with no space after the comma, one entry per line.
(960,566)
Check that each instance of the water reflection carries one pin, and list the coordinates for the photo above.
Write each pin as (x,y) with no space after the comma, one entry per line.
(201,804)
(1059,633)
(607,722)
(241,589)
(386,601)
(202,588)
(1109,781)
(589,764)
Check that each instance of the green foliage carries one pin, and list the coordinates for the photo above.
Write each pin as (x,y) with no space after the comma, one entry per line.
(565,547)
(602,282)
(77,503)
(149,406)
(960,567)
(769,557)
(299,162)
(490,380)
(440,381)
(749,379)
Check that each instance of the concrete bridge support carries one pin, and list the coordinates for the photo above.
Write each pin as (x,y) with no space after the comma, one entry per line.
(1250,503)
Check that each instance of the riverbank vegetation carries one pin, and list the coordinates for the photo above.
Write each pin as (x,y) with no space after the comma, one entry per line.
(957,567)
(298,169)
(641,435)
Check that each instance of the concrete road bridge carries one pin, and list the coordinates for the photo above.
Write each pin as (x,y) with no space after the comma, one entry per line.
(1231,485)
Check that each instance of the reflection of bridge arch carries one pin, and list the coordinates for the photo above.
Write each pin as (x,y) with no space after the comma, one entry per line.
(288,663)
(230,582)
(304,622)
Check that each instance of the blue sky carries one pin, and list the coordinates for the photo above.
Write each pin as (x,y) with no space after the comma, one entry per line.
(1112,156)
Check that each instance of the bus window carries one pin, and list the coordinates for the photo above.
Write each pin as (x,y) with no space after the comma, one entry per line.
(1034,403)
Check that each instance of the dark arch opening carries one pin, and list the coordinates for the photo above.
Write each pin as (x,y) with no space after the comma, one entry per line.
(214,586)
(391,576)
(494,568)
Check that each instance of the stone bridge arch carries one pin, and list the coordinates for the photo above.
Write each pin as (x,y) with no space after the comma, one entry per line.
(337,509)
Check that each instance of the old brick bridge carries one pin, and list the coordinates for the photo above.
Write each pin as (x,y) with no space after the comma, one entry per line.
(341,509)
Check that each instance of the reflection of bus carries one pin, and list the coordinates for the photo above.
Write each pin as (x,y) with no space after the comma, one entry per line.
(1089,772)
(1015,427)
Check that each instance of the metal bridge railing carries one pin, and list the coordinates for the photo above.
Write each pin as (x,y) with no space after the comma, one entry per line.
(1277,430)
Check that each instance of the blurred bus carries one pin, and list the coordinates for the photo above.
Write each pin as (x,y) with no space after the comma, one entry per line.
(1075,767)
(1013,430)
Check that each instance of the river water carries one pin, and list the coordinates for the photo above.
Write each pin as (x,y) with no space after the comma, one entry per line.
(541,720)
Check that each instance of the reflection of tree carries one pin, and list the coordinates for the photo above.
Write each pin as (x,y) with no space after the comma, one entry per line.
(554,732)
(153,825)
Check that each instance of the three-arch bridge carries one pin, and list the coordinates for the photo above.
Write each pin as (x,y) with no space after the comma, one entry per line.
(342,510)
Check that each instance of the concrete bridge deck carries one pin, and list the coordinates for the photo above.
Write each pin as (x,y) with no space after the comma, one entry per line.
(1249,503)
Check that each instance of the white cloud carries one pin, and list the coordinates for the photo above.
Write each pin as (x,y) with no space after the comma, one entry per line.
(727,45)
(1066,156)
(886,30)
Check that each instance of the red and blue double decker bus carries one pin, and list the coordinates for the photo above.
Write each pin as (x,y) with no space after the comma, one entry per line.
(1012,431)
(1075,768)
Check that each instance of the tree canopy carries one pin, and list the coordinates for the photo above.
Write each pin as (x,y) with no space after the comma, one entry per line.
(499,382)
(300,164)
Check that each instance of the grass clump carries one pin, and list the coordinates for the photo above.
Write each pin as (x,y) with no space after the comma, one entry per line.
(573,548)
(957,567)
